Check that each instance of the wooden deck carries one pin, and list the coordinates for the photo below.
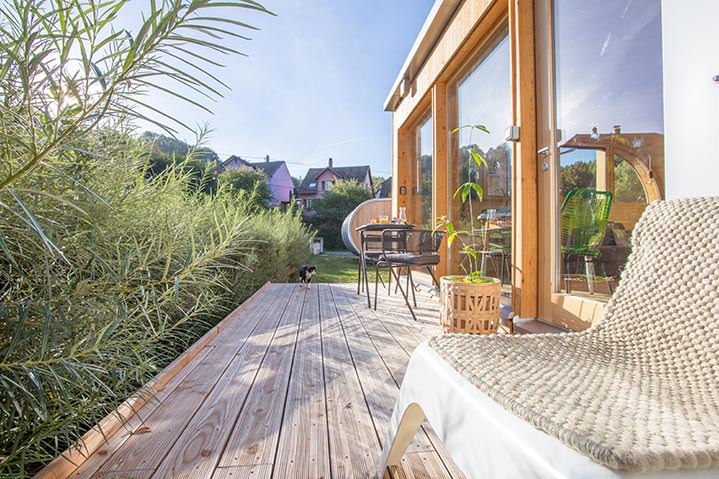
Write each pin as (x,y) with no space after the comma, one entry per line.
(295,383)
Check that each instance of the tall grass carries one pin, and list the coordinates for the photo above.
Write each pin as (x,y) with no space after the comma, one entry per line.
(140,270)
(105,275)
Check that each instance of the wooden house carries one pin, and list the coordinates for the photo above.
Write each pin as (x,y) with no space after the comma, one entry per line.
(615,96)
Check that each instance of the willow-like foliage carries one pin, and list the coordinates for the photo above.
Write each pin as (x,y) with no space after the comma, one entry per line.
(106,275)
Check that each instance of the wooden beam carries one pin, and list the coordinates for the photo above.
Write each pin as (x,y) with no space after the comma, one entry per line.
(400,168)
(525,195)
(440,162)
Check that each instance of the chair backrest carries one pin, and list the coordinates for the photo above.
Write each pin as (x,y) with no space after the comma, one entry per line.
(667,300)
(584,216)
(417,241)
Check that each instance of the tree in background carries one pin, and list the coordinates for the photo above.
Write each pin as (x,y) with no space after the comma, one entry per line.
(377,183)
(249,183)
(332,209)
(580,174)
(628,186)
(198,162)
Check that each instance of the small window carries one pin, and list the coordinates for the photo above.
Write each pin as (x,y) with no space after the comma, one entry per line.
(308,204)
(327,185)
(313,184)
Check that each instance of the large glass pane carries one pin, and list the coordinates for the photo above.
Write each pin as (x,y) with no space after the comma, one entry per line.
(423,175)
(608,100)
(483,96)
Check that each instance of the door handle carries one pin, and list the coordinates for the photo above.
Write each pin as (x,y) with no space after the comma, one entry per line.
(544,153)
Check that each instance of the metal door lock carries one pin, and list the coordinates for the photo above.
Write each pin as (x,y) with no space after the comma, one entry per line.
(545,166)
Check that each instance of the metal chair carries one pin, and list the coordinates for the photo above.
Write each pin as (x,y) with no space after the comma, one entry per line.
(403,248)
(584,216)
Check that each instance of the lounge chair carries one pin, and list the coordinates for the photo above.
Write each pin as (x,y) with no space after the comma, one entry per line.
(636,395)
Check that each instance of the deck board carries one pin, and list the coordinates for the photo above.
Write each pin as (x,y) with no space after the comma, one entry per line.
(255,436)
(303,450)
(300,383)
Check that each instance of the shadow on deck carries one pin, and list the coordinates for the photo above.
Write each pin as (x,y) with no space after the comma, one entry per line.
(294,383)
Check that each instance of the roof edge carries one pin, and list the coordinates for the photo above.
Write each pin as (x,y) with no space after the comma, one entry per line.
(438,18)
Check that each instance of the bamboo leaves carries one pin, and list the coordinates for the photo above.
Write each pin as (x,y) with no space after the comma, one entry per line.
(68,57)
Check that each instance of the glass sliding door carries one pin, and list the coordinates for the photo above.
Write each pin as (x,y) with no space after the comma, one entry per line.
(482,96)
(600,132)
(421,212)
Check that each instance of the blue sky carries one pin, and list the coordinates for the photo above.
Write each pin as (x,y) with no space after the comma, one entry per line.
(313,84)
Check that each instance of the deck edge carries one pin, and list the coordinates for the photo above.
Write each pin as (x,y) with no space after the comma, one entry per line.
(72,458)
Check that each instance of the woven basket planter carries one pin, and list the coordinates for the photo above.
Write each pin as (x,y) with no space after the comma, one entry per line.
(469,307)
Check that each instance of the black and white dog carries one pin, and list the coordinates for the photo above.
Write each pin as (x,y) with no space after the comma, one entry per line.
(306,273)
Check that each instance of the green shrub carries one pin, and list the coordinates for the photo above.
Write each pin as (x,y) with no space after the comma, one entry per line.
(280,244)
(251,184)
(333,208)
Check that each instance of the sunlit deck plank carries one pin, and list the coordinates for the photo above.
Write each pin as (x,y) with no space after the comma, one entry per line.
(388,332)
(376,353)
(256,433)
(196,451)
(296,384)
(379,387)
(353,438)
(303,450)
(243,472)
(147,445)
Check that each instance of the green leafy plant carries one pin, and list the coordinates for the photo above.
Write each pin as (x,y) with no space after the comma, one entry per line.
(332,209)
(248,183)
(465,191)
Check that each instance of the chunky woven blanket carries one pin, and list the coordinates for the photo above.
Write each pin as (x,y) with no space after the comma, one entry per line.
(639,391)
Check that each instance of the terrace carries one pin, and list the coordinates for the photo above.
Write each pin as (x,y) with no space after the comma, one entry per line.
(294,383)
(298,382)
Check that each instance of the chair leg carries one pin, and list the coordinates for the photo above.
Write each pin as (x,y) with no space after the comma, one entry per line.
(400,437)
(376,277)
(588,270)
(604,274)
(434,279)
(405,295)
(410,284)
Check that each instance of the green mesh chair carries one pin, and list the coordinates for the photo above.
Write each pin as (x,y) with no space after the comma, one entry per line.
(584,216)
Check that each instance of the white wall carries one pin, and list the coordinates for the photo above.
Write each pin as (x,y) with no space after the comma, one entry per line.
(691,99)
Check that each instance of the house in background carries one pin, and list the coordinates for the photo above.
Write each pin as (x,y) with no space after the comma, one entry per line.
(319,180)
(278,176)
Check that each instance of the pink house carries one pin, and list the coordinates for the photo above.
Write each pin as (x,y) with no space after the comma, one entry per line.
(278,176)
(319,180)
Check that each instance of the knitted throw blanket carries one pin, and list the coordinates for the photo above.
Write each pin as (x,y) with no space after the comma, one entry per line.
(639,391)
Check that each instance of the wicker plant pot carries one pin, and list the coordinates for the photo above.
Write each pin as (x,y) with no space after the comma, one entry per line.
(469,307)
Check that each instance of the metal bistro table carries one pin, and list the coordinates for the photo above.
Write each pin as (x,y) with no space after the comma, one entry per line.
(372,233)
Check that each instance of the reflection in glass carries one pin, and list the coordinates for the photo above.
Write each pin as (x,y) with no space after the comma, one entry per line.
(483,96)
(423,175)
(609,120)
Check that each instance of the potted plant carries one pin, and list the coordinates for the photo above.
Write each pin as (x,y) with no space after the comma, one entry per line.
(469,302)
